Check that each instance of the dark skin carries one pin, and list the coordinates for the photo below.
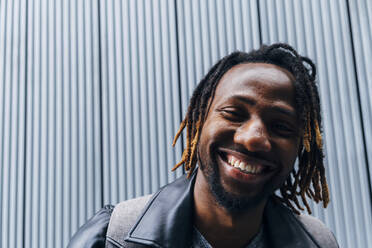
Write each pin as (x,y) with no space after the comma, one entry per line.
(252,120)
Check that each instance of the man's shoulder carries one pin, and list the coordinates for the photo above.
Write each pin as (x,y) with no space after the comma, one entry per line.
(93,233)
(133,204)
(123,218)
(128,212)
(318,230)
(291,229)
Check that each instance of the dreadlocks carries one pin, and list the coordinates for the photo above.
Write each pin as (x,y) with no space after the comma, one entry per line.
(310,168)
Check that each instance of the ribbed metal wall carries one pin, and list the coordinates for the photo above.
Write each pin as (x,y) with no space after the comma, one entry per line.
(140,96)
(12,121)
(92,93)
(63,135)
(361,27)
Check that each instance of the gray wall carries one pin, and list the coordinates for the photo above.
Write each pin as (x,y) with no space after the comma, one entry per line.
(92,93)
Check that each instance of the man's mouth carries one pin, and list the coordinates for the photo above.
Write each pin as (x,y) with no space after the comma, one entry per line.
(246,164)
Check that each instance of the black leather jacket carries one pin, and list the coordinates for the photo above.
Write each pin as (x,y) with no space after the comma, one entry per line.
(167,221)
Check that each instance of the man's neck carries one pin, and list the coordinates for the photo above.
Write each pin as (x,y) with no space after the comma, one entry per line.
(220,227)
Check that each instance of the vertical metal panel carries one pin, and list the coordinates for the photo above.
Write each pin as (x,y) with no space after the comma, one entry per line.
(151,52)
(361,19)
(140,95)
(63,186)
(320,30)
(12,128)
(209,30)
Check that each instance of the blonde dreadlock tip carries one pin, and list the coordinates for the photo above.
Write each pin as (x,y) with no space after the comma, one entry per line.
(306,144)
(182,126)
(177,165)
(175,139)
(319,140)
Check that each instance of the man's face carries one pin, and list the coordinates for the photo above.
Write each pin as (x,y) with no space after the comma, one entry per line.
(251,136)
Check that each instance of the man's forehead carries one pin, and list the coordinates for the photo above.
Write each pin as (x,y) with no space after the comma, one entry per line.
(270,81)
(259,72)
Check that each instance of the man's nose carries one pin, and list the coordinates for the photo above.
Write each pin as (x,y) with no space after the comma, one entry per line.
(253,136)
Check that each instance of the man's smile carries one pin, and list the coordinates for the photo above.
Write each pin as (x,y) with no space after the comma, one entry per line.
(245,168)
(245,162)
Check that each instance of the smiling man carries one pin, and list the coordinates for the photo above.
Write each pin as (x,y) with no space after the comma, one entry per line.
(248,121)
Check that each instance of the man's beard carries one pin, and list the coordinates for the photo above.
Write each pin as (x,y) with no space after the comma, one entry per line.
(231,202)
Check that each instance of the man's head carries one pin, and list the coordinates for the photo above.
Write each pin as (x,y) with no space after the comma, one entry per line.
(257,111)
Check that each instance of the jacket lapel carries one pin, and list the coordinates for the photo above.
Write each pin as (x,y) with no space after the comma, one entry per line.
(167,220)
(283,229)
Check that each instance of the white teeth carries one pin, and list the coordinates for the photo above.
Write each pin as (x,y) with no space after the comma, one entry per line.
(236,164)
(254,169)
(232,161)
(244,167)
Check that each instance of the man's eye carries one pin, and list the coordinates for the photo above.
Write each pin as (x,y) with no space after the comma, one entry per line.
(231,114)
(283,128)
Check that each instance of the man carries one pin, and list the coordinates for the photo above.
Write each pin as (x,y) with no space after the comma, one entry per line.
(248,121)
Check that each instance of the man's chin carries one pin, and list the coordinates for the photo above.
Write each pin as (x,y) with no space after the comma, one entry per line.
(234,203)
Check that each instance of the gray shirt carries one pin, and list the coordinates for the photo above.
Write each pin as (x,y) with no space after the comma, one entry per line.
(198,241)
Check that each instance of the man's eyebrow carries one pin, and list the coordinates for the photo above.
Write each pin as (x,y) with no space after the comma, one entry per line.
(245,99)
(279,109)
(284,111)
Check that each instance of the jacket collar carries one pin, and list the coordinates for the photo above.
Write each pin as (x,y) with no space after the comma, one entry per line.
(167,220)
(283,229)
